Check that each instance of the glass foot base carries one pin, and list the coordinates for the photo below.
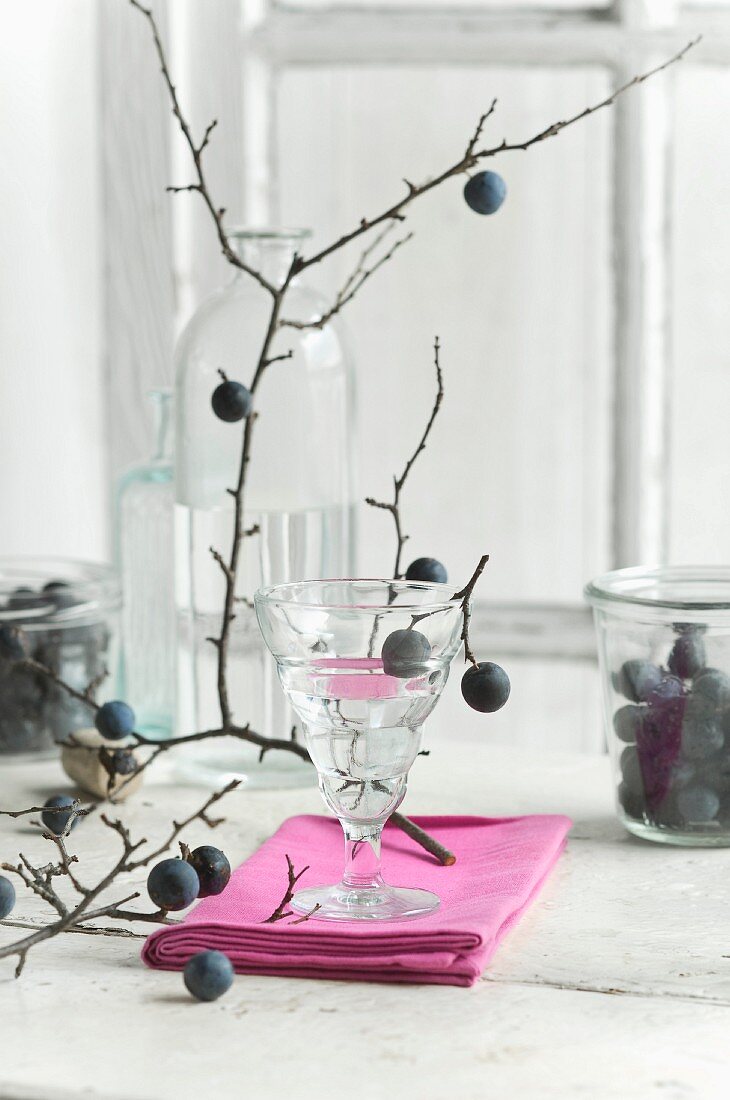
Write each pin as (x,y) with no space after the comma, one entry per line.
(371,903)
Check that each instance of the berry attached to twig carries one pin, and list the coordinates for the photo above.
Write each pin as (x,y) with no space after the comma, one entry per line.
(485,192)
(231,401)
(427,569)
(485,687)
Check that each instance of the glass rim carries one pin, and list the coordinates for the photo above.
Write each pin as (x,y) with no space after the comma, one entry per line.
(277,594)
(623,587)
(267,233)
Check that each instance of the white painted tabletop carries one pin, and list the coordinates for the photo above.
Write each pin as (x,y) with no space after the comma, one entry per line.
(616,984)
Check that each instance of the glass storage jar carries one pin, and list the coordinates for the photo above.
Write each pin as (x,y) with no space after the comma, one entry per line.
(68,612)
(664,653)
(299,496)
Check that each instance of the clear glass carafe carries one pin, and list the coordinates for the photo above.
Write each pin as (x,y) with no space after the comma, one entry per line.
(145,558)
(299,494)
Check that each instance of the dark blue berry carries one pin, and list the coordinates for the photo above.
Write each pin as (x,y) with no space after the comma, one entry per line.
(12,646)
(231,401)
(687,658)
(124,762)
(115,720)
(485,192)
(631,770)
(702,731)
(427,569)
(212,868)
(636,679)
(627,722)
(173,884)
(669,687)
(631,802)
(55,586)
(698,804)
(57,821)
(485,688)
(208,975)
(405,653)
(7,897)
(714,686)
(24,599)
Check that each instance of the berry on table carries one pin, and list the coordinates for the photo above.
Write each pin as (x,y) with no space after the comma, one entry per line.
(485,687)
(208,975)
(637,679)
(12,647)
(212,868)
(427,569)
(485,192)
(55,820)
(173,884)
(231,401)
(115,720)
(7,897)
(405,653)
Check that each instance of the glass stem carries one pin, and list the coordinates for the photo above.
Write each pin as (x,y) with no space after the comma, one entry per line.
(362,855)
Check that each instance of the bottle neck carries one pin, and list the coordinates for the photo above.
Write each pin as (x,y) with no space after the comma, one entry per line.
(164,437)
(268,252)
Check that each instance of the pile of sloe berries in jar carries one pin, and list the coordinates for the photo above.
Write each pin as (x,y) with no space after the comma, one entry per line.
(64,615)
(664,648)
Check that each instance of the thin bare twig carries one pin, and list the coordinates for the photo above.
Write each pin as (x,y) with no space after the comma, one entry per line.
(282,909)
(464,594)
(355,281)
(473,156)
(40,881)
(398,482)
(196,151)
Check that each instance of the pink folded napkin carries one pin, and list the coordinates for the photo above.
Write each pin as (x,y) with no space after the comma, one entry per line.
(501,865)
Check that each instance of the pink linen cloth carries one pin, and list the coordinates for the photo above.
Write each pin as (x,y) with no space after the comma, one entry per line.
(501,866)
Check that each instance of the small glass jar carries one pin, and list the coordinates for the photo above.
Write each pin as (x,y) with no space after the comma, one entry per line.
(68,612)
(664,653)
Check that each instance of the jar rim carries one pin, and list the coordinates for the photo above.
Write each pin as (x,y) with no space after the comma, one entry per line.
(267,233)
(692,589)
(93,587)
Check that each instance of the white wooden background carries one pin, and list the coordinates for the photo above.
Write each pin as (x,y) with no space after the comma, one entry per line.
(583,328)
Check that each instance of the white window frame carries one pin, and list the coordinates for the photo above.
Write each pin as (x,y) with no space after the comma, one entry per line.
(231,52)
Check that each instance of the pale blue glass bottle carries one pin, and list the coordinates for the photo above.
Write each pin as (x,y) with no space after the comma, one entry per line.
(145,559)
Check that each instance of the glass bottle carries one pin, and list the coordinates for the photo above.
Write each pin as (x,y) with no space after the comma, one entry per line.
(298,493)
(145,558)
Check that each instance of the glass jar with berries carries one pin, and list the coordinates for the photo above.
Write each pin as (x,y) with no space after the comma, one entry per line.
(664,653)
(58,619)
(298,500)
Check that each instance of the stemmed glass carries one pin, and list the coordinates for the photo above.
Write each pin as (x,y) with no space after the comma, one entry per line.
(363,663)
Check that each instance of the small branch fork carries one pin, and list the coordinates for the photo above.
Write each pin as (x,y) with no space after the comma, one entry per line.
(40,879)
(465,595)
(282,910)
(398,482)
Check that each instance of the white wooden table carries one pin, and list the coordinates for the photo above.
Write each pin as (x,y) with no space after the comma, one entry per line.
(616,983)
